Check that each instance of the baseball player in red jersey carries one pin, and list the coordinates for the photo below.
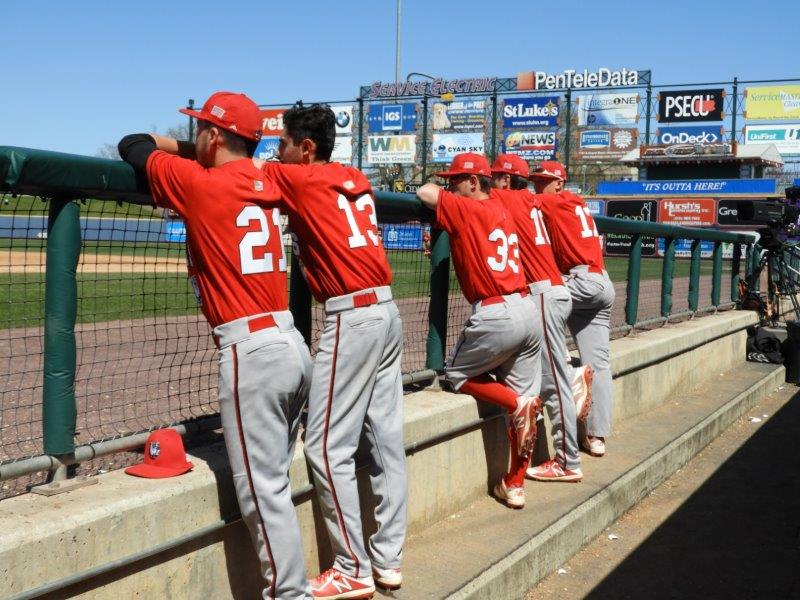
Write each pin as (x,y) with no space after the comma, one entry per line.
(553,303)
(576,246)
(500,337)
(237,267)
(357,383)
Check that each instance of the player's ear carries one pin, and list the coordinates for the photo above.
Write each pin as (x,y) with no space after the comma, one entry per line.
(308,149)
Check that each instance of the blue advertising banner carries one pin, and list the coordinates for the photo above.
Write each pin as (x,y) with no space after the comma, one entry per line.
(694,186)
(174,231)
(596,207)
(535,111)
(683,248)
(392,117)
(689,134)
(402,237)
(531,145)
(267,148)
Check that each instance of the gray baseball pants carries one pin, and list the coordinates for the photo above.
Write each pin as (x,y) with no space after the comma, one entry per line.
(501,339)
(554,304)
(264,378)
(590,325)
(357,387)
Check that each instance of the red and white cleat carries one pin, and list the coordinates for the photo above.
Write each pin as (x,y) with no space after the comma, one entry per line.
(333,585)
(513,497)
(524,423)
(552,471)
(388,579)
(582,391)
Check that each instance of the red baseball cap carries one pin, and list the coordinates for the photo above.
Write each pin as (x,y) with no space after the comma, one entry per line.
(550,169)
(511,164)
(164,456)
(467,163)
(233,112)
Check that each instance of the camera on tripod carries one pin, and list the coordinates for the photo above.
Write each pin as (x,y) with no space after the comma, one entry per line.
(779,217)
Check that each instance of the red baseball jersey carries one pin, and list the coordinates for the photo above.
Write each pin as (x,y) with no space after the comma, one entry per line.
(484,245)
(534,242)
(332,213)
(573,233)
(234,250)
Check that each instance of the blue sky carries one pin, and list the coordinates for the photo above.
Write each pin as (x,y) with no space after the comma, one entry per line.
(81,74)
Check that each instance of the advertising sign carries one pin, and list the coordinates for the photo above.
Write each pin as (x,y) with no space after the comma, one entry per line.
(386,149)
(392,117)
(691,106)
(343,150)
(689,134)
(272,121)
(596,207)
(705,187)
(691,212)
(727,212)
(267,148)
(531,145)
(570,78)
(772,102)
(601,144)
(344,119)
(785,137)
(437,87)
(461,114)
(634,210)
(402,236)
(608,109)
(683,248)
(540,111)
(174,231)
(446,145)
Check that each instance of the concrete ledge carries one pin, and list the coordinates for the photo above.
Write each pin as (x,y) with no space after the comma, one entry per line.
(46,539)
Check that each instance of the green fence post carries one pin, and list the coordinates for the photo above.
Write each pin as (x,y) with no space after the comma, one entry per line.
(755,259)
(190,106)
(736,268)
(648,113)
(735,107)
(300,300)
(716,275)
(667,271)
(440,293)
(694,276)
(59,411)
(360,132)
(634,276)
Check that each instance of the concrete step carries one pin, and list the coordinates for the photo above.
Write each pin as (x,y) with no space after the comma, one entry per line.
(489,551)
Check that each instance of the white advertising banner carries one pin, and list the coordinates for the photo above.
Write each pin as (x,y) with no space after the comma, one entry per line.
(389,149)
(446,145)
(608,109)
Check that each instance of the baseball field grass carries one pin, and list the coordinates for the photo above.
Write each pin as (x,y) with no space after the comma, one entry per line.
(105,296)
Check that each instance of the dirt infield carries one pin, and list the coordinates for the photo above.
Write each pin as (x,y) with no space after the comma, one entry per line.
(31,261)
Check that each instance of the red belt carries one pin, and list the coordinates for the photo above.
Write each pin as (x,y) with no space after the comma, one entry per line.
(366,299)
(593,269)
(262,322)
(498,299)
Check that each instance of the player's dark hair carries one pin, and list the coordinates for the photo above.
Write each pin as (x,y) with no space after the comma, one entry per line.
(238,144)
(316,123)
(485,182)
(518,182)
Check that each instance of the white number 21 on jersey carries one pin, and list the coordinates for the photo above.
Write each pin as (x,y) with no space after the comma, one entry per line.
(253,240)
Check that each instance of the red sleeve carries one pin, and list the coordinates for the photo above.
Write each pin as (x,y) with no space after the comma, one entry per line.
(451,211)
(171,179)
(288,179)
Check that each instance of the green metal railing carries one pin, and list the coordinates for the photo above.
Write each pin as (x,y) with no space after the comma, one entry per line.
(115,180)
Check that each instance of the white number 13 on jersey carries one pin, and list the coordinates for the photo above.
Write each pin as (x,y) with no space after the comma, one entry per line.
(258,239)
(358,239)
(585,216)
